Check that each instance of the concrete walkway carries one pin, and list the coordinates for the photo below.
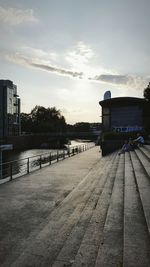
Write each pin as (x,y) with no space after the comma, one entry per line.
(83,211)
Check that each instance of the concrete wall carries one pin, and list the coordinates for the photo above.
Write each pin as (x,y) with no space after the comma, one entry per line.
(126,116)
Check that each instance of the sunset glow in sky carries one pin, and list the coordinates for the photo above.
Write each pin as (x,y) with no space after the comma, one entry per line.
(67,53)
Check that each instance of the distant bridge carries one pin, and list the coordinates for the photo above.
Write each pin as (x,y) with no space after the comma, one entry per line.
(92,135)
(35,140)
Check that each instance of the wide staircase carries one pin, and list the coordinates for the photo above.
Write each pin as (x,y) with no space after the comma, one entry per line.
(103,222)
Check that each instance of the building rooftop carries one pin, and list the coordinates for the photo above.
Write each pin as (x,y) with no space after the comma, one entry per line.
(121,100)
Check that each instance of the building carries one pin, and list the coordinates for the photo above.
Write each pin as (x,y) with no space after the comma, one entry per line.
(122,114)
(9,110)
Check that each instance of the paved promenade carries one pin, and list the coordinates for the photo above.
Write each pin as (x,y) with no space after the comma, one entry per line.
(83,211)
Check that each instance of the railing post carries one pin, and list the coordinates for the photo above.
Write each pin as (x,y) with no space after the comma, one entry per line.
(40,162)
(57,156)
(28,166)
(1,166)
(50,159)
(11,171)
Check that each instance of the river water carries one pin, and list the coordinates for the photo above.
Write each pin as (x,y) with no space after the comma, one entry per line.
(17,155)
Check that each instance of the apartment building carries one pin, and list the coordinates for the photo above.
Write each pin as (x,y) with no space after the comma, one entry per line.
(9,110)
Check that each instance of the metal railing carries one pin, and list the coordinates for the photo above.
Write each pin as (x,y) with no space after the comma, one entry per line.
(18,168)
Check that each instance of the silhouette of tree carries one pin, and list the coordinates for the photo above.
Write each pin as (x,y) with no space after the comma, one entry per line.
(147,108)
(82,127)
(44,120)
(26,122)
(147,92)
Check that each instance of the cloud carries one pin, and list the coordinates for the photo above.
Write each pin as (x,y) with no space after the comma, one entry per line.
(50,62)
(14,16)
(38,53)
(125,80)
(20,59)
(79,56)
(58,70)
(109,78)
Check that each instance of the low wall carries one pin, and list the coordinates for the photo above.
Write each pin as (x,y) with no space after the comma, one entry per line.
(109,146)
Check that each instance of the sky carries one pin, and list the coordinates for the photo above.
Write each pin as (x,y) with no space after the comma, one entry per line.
(67,53)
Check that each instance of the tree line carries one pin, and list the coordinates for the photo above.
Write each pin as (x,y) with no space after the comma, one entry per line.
(45,120)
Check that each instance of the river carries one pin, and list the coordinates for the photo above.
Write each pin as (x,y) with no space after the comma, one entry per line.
(17,154)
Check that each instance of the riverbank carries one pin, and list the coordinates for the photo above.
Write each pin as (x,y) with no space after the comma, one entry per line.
(18,154)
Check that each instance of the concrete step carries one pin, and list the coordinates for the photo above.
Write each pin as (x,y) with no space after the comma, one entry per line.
(147,147)
(136,237)
(51,239)
(143,183)
(145,151)
(111,248)
(144,161)
(70,248)
(83,250)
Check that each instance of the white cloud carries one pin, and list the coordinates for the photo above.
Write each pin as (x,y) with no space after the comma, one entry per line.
(79,57)
(79,66)
(14,16)
(39,53)
(130,81)
(37,63)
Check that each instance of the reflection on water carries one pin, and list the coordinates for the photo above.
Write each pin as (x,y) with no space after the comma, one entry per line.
(17,155)
(18,163)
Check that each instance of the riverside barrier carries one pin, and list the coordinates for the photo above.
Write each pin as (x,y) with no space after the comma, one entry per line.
(17,168)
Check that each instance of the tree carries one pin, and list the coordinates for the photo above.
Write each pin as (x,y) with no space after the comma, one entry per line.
(147,108)
(42,120)
(147,92)
(82,127)
(47,119)
(26,122)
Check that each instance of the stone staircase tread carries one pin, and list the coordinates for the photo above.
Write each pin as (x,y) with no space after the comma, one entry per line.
(147,147)
(111,248)
(144,161)
(143,184)
(145,151)
(136,238)
(72,244)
